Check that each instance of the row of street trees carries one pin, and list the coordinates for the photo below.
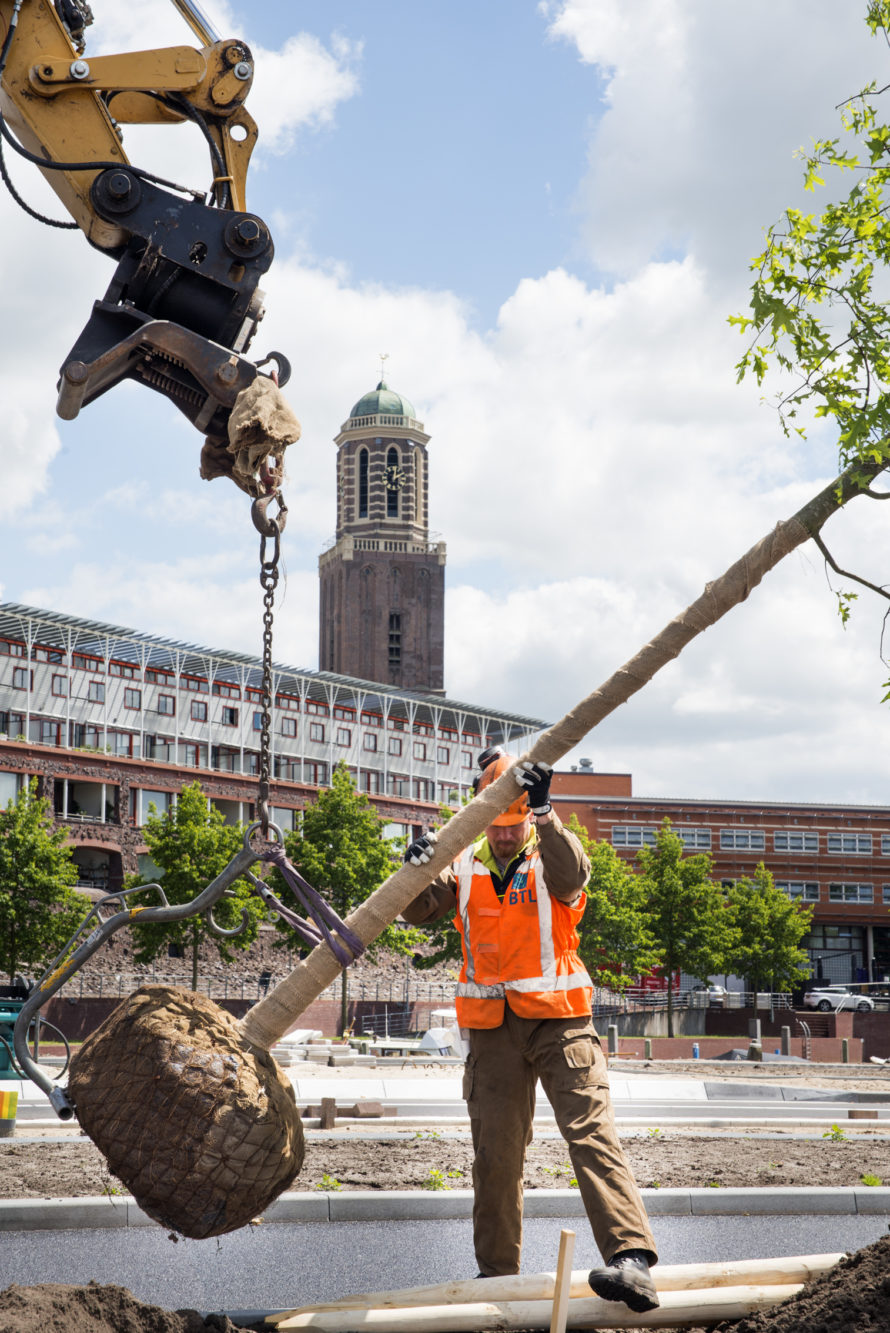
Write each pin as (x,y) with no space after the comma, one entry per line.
(672,916)
(669,914)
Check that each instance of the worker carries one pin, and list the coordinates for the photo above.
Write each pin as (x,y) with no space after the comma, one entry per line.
(524,998)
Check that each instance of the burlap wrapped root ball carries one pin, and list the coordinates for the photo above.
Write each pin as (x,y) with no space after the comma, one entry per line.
(200,1126)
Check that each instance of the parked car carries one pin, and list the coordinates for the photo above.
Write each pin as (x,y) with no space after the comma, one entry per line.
(709,997)
(836,997)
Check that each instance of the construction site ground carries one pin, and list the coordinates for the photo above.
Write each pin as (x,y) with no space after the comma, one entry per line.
(51,1160)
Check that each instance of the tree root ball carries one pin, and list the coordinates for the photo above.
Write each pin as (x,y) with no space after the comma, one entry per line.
(200,1126)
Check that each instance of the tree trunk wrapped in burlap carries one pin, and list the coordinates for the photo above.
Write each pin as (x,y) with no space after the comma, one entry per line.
(201,1126)
(188,1107)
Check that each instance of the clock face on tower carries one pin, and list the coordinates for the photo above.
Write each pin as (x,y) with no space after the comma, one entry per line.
(395,477)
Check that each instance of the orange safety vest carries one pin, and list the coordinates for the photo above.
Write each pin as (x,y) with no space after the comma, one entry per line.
(522,951)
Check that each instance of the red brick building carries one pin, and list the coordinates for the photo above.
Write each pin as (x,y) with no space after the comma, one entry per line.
(835,858)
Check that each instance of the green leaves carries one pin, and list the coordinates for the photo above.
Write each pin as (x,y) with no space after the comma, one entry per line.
(341,850)
(39,910)
(769,927)
(817,313)
(192,844)
(617,944)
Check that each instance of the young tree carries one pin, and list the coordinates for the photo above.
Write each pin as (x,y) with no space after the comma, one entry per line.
(769,927)
(191,844)
(39,910)
(340,849)
(687,912)
(617,944)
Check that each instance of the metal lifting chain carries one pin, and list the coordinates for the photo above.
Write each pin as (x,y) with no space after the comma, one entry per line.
(267,527)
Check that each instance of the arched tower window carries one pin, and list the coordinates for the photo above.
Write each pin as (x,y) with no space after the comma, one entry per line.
(363,483)
(393,482)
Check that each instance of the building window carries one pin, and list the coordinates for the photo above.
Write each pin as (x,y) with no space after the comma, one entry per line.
(851,844)
(344,736)
(167,704)
(195,684)
(423,789)
(372,720)
(395,640)
(697,838)
(229,716)
(312,706)
(344,714)
(851,893)
(886,893)
(394,746)
(257,721)
(398,724)
(466,759)
(316,774)
(398,785)
(60,686)
(632,835)
(370,741)
(122,742)
(155,676)
(50,733)
(11,649)
(225,691)
(796,888)
(132,698)
(419,750)
(443,754)
(48,655)
(372,783)
(20,678)
(363,483)
(795,840)
(287,701)
(96,691)
(123,669)
(199,710)
(316,732)
(393,481)
(742,840)
(288,726)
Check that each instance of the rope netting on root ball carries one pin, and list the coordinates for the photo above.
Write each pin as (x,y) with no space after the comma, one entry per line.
(200,1126)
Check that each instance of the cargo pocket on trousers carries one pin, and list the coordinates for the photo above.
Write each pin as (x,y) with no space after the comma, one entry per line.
(580,1062)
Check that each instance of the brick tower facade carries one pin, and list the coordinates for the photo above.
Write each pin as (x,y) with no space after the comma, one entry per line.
(382,608)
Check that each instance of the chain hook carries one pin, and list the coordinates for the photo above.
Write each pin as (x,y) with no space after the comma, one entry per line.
(266,526)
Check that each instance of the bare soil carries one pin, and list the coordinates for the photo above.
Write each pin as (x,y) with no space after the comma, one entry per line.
(665,1160)
(854,1299)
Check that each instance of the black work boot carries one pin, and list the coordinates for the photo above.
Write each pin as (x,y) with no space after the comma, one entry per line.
(626,1279)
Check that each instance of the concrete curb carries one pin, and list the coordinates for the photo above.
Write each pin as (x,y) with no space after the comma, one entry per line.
(415,1205)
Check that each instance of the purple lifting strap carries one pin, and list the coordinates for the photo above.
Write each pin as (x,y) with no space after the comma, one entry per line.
(322,914)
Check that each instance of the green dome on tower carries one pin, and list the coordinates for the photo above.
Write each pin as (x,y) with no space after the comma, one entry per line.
(383,401)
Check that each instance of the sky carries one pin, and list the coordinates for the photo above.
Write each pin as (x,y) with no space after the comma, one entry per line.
(543,213)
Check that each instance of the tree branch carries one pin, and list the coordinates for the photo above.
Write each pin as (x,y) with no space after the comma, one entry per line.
(845,573)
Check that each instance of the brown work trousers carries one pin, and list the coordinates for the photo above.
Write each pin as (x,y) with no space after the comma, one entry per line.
(502,1069)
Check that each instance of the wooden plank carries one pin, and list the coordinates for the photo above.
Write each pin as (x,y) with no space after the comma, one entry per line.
(541,1286)
(562,1286)
(678,1308)
(328,1113)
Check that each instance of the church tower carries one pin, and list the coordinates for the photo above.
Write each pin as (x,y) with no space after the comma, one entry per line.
(382,612)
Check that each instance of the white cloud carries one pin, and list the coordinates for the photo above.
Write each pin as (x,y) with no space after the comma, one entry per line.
(706,104)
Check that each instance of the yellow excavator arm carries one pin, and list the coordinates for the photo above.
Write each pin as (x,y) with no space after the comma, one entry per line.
(184,301)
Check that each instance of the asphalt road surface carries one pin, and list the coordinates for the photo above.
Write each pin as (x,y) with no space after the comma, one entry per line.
(279,1265)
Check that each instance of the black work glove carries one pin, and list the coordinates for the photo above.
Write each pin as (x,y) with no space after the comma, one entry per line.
(535,778)
(421,851)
